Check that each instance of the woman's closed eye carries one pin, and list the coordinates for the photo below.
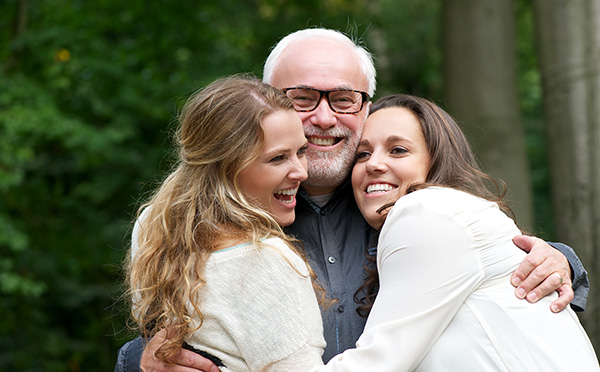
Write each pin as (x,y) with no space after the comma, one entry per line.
(362,155)
(277,159)
(302,151)
(398,150)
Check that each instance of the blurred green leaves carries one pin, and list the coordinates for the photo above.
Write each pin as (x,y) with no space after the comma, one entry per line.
(88,95)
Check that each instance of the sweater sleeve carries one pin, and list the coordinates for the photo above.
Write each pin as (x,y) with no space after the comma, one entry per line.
(263,313)
(295,306)
(292,331)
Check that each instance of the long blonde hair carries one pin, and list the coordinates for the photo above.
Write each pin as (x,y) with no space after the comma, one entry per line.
(199,204)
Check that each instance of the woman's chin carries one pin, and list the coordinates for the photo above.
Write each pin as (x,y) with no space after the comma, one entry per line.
(375,220)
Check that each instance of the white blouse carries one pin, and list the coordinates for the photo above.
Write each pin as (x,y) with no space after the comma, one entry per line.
(445,303)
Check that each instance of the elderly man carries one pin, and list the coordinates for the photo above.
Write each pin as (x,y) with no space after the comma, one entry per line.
(318,69)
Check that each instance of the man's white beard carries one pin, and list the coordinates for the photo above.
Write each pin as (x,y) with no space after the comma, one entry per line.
(330,168)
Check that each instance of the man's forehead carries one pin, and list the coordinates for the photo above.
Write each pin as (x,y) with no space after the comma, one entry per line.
(325,86)
(319,64)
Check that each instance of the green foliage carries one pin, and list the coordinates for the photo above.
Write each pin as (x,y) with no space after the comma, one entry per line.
(405,37)
(88,93)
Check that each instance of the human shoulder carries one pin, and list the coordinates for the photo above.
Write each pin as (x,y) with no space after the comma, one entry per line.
(254,297)
(431,222)
(442,200)
(273,253)
(440,208)
(135,233)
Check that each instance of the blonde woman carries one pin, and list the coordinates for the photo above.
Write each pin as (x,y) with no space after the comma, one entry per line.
(210,262)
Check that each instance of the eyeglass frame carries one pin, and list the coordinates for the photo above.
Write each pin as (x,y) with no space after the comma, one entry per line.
(325,93)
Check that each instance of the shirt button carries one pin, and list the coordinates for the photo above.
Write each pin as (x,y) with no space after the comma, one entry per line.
(323,212)
(340,308)
(331,259)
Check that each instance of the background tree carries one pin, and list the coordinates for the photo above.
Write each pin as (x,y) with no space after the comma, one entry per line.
(404,37)
(480,85)
(88,94)
(568,34)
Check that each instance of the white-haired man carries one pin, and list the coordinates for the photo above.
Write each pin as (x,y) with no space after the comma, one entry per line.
(318,69)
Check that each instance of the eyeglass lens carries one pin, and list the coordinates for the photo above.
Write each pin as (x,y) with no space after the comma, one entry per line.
(343,101)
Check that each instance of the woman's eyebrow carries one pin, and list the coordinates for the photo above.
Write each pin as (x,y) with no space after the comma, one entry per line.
(363,143)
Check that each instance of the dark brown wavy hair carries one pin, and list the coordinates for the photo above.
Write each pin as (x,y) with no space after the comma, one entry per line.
(453,164)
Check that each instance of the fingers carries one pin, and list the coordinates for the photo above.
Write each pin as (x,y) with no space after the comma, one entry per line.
(543,271)
(537,285)
(529,273)
(565,296)
(149,362)
(183,361)
(530,262)
(532,291)
(194,362)
(524,242)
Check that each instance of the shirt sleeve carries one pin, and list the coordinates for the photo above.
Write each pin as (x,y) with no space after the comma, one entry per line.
(130,356)
(428,266)
(581,284)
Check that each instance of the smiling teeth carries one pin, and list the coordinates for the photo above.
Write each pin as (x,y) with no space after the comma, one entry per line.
(289,193)
(379,187)
(319,141)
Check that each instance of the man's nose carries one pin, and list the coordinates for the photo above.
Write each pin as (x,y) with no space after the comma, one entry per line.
(323,116)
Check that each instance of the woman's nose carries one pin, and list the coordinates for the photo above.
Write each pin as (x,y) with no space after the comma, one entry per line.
(376,163)
(299,169)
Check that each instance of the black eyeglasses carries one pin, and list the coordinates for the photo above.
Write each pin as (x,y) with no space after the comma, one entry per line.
(342,101)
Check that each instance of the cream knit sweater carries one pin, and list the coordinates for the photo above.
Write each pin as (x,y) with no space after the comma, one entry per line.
(260,310)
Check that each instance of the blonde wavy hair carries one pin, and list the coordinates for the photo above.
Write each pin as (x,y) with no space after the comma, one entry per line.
(199,204)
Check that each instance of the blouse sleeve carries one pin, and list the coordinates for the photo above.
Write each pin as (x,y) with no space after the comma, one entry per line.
(428,266)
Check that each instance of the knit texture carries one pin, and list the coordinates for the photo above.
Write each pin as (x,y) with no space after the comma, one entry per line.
(260,310)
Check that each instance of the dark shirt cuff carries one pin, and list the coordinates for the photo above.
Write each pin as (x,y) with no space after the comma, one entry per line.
(581,285)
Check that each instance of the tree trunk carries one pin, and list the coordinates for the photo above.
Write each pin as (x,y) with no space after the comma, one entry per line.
(568,35)
(480,85)
(20,26)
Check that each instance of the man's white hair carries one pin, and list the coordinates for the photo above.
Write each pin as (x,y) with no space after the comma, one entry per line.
(365,58)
